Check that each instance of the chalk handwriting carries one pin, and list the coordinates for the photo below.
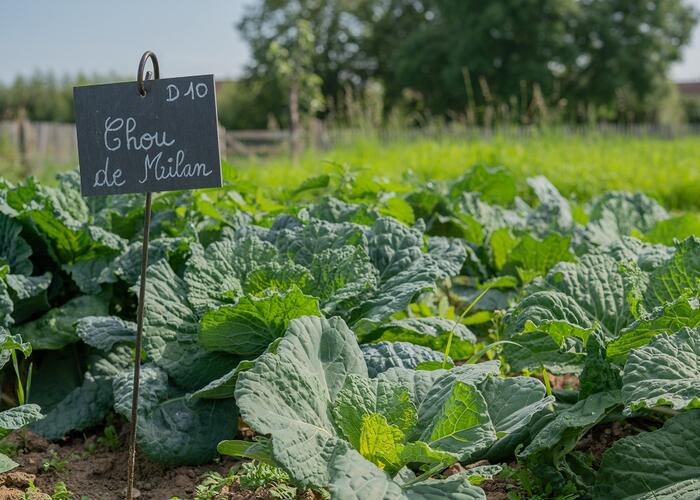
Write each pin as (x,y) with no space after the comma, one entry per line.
(116,127)
(103,179)
(158,168)
(193,91)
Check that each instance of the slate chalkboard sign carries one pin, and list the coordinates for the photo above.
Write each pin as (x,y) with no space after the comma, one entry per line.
(166,140)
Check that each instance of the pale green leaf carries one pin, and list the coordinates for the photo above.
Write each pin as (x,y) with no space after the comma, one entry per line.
(669,318)
(18,417)
(6,463)
(665,372)
(287,394)
(380,442)
(103,332)
(355,478)
(678,275)
(56,328)
(384,355)
(458,423)
(249,326)
(362,397)
(419,452)
(431,332)
(260,449)
(500,244)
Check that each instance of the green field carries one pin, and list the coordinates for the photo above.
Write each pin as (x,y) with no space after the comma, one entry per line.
(581,166)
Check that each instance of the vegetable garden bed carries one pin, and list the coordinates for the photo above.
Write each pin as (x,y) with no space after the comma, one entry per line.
(342,339)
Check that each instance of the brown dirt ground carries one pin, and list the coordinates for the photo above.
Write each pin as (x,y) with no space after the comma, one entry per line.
(560,382)
(495,489)
(97,474)
(563,382)
(499,487)
(595,442)
(603,436)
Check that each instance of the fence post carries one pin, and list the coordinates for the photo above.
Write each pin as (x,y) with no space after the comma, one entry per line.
(222,141)
(23,141)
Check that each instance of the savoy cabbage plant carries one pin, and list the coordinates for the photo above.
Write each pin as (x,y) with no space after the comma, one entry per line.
(313,396)
(329,317)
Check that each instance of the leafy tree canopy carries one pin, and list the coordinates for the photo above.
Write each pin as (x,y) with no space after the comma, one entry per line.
(515,57)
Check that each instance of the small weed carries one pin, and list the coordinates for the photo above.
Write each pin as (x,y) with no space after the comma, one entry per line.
(54,462)
(109,438)
(212,484)
(531,487)
(61,492)
(253,475)
(90,449)
(9,449)
(283,492)
(30,491)
(250,476)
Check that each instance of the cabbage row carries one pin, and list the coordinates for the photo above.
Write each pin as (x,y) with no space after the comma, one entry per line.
(372,336)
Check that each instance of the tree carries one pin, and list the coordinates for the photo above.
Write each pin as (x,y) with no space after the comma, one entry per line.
(336,29)
(292,64)
(387,24)
(519,58)
(624,50)
(42,97)
(576,52)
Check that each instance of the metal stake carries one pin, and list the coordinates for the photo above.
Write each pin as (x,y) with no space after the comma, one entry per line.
(142,296)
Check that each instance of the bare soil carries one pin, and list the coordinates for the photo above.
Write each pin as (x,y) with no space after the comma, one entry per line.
(594,443)
(499,487)
(93,471)
(603,436)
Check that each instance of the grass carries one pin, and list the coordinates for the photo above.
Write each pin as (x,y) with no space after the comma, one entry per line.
(581,166)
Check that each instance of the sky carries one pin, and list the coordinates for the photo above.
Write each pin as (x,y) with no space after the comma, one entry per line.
(102,37)
(189,38)
(689,67)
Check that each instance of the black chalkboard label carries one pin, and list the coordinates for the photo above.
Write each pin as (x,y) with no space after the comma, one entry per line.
(166,140)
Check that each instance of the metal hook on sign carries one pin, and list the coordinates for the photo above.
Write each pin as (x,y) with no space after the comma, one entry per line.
(142,66)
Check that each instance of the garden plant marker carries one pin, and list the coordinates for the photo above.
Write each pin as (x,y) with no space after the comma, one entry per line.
(142,137)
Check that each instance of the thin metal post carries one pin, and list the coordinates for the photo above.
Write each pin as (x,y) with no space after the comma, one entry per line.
(139,342)
(142,299)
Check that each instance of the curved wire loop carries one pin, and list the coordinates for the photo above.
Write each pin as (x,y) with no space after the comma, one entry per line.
(142,66)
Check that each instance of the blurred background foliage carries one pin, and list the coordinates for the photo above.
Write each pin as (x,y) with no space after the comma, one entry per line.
(359,63)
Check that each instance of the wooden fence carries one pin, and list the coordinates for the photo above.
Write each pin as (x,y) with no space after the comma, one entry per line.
(35,144)
(253,142)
